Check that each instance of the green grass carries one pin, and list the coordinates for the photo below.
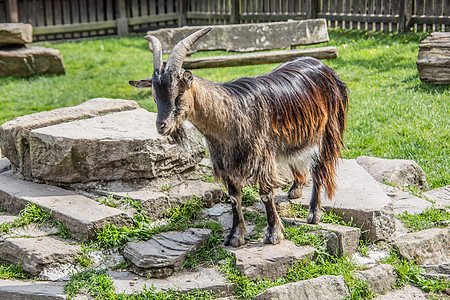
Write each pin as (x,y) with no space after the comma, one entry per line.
(429,218)
(11,271)
(299,211)
(391,113)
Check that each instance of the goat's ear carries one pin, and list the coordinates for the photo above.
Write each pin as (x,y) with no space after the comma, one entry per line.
(188,78)
(145,83)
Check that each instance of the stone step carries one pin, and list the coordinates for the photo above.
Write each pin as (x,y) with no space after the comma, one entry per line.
(380,278)
(358,198)
(403,201)
(15,34)
(440,196)
(164,254)
(407,292)
(31,290)
(38,255)
(14,134)
(118,146)
(264,261)
(205,279)
(82,216)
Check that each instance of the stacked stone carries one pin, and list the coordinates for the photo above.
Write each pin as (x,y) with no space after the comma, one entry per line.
(17,58)
(433,60)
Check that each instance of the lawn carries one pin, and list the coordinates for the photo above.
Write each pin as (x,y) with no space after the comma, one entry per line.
(391,114)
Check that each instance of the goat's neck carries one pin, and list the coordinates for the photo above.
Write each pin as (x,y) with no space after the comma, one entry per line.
(211,108)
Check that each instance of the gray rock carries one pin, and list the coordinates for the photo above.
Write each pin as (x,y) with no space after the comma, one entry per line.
(438,271)
(35,254)
(31,290)
(29,61)
(347,237)
(14,134)
(5,165)
(381,278)
(403,201)
(427,247)
(210,193)
(15,34)
(321,288)
(441,196)
(164,253)
(81,215)
(401,172)
(407,292)
(7,218)
(358,198)
(32,230)
(122,145)
(248,37)
(258,260)
(433,61)
(205,279)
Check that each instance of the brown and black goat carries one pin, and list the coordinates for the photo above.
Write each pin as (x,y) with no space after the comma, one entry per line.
(294,114)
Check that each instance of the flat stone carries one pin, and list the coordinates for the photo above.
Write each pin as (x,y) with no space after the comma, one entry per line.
(81,215)
(381,278)
(427,247)
(372,258)
(441,196)
(28,61)
(15,34)
(14,134)
(347,237)
(5,165)
(358,198)
(35,254)
(123,145)
(31,290)
(438,271)
(205,279)
(7,218)
(326,287)
(400,172)
(407,292)
(403,201)
(164,253)
(209,193)
(433,61)
(264,261)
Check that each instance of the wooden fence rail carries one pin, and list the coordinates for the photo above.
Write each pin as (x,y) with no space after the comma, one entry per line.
(61,19)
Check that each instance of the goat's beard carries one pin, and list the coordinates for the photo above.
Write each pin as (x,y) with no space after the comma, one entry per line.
(180,137)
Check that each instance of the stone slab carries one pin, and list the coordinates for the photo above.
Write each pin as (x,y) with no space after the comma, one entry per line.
(5,165)
(35,254)
(206,279)
(164,254)
(407,292)
(358,198)
(14,134)
(15,34)
(210,193)
(381,278)
(123,145)
(81,215)
(348,237)
(31,290)
(403,201)
(28,61)
(326,287)
(248,37)
(264,261)
(427,247)
(438,271)
(441,196)
(401,172)
(433,59)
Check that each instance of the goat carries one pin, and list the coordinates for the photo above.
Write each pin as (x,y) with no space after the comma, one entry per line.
(295,114)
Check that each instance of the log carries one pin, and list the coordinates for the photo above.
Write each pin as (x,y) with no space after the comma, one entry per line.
(433,61)
(258,58)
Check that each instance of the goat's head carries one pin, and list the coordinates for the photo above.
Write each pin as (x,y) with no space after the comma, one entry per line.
(171,84)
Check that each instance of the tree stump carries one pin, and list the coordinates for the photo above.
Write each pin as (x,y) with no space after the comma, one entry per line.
(433,60)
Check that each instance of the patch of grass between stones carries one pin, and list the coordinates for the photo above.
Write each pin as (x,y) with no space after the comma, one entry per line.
(298,211)
(430,217)
(8,271)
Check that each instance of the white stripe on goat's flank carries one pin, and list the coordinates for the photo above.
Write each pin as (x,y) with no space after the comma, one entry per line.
(302,160)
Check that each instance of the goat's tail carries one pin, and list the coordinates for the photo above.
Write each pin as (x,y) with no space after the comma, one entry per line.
(324,171)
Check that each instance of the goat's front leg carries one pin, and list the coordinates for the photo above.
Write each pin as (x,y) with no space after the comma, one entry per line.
(274,232)
(296,190)
(235,237)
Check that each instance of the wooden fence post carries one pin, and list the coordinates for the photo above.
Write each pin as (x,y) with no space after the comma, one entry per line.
(235,11)
(404,17)
(121,17)
(182,17)
(13,12)
(311,9)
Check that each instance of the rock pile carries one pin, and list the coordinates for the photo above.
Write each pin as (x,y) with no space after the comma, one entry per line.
(19,59)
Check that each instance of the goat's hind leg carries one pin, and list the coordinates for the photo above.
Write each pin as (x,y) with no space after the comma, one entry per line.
(314,212)
(274,232)
(296,190)
(235,237)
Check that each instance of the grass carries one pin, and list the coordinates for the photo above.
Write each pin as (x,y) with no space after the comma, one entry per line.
(298,211)
(11,272)
(391,113)
(429,218)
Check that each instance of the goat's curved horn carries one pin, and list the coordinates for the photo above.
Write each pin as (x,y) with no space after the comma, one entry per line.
(181,49)
(155,46)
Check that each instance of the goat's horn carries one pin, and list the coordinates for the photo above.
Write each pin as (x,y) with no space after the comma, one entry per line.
(155,46)
(181,49)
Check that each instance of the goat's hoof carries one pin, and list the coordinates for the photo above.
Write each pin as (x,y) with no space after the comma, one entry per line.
(274,235)
(313,217)
(235,238)
(295,192)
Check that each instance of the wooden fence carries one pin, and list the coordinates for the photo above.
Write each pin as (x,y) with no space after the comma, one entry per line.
(60,19)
